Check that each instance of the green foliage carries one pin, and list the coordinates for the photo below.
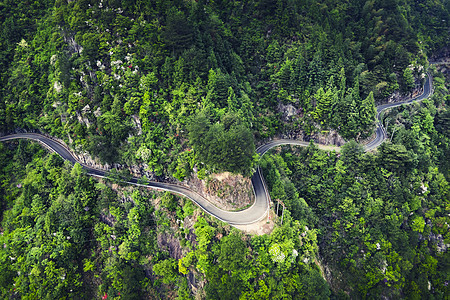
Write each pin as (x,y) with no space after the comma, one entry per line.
(375,212)
(244,268)
(140,82)
(60,227)
(124,78)
(408,79)
(232,252)
(395,157)
(224,146)
(418,224)
(166,269)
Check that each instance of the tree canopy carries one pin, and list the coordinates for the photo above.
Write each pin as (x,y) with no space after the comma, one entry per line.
(165,87)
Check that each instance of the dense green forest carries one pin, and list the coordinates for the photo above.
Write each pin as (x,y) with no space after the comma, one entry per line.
(383,217)
(173,85)
(124,79)
(66,235)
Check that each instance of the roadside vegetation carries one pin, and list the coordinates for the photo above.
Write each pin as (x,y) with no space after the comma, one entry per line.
(383,217)
(176,86)
(124,79)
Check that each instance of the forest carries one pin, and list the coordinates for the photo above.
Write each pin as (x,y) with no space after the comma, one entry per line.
(191,88)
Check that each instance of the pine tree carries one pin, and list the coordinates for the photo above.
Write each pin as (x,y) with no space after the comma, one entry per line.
(342,85)
(284,75)
(233,104)
(321,102)
(408,79)
(299,71)
(367,113)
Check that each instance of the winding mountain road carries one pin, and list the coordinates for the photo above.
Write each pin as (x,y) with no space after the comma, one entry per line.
(260,207)
(380,130)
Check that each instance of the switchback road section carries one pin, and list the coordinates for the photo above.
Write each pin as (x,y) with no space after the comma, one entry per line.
(260,207)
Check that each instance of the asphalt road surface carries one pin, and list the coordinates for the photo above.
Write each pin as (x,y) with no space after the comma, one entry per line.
(260,207)
(380,130)
(248,216)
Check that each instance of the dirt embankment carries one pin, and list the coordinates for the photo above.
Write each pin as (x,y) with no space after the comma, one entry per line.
(325,137)
(225,190)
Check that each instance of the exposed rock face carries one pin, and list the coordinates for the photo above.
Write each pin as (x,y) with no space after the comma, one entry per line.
(398,97)
(328,137)
(73,46)
(437,239)
(83,119)
(445,69)
(170,243)
(137,124)
(289,113)
(87,160)
(224,190)
(288,110)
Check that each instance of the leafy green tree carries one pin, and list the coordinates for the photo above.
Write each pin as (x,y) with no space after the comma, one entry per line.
(315,286)
(225,146)
(324,103)
(167,270)
(232,252)
(418,224)
(218,85)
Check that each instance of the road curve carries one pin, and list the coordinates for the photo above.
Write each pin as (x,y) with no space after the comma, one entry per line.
(260,207)
(244,217)
(380,130)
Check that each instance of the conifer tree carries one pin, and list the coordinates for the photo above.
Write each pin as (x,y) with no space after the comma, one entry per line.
(367,113)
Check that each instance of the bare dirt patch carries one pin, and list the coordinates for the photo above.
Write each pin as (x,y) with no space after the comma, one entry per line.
(264,226)
(225,190)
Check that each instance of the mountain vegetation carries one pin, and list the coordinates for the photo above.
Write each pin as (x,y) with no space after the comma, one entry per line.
(172,86)
(382,217)
(123,79)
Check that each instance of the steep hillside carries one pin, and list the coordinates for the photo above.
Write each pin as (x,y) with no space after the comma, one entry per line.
(128,81)
(184,91)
